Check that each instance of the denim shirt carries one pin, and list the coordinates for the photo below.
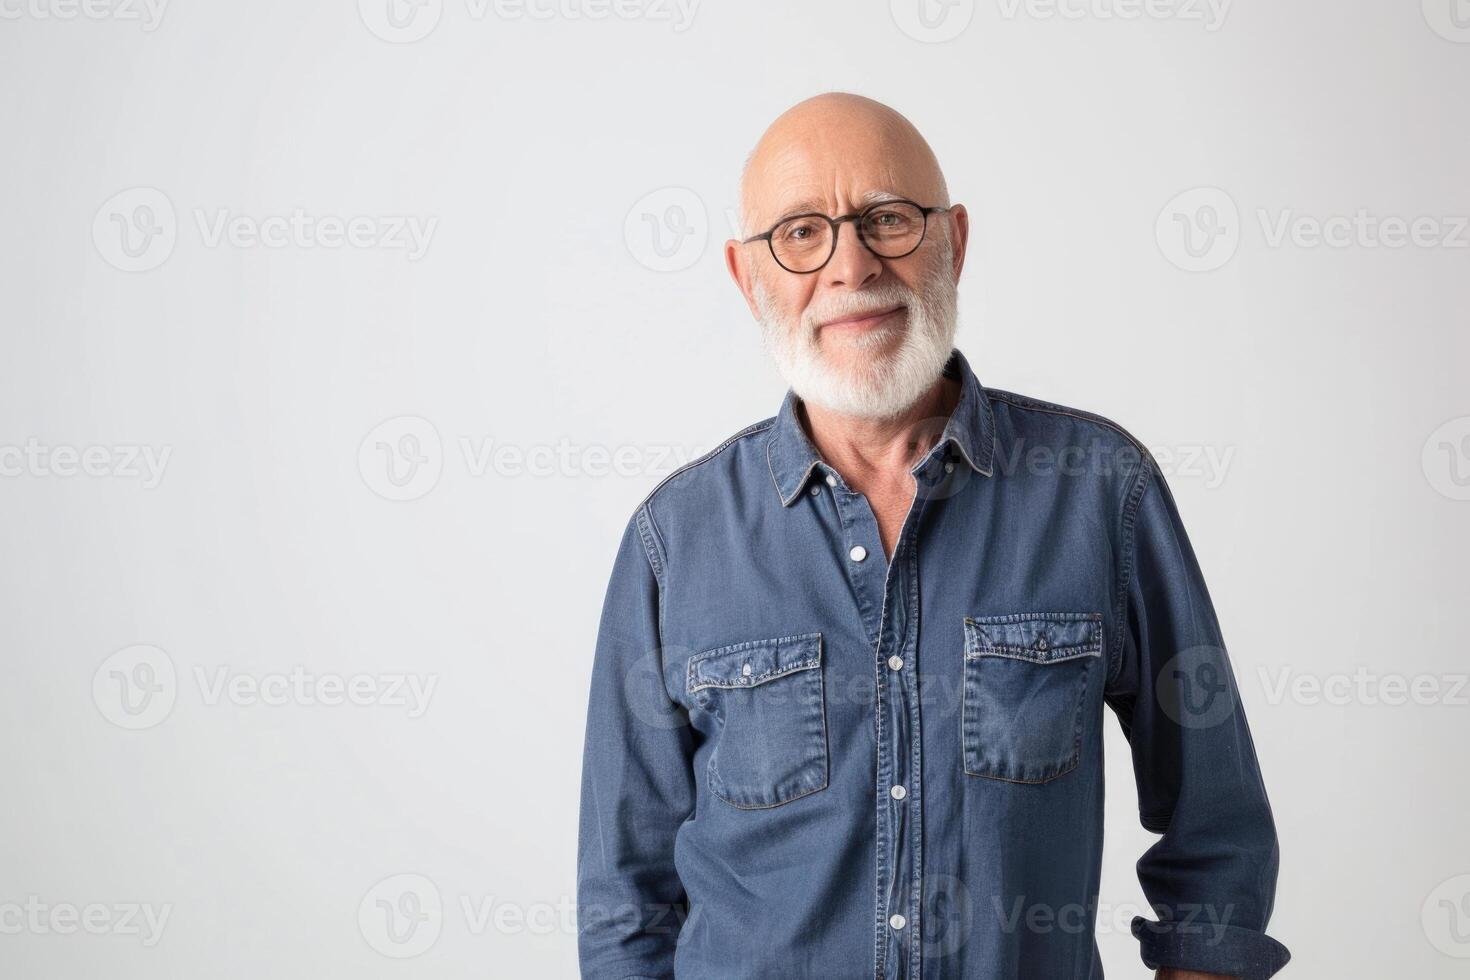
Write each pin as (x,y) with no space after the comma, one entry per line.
(805,760)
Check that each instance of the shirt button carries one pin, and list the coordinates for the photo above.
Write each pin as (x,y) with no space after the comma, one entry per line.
(949,466)
(897,921)
(895,662)
(858,553)
(1041,643)
(816,490)
(745,670)
(831,480)
(898,793)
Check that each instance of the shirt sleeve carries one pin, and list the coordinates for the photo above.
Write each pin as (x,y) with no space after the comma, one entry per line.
(637,782)
(1210,879)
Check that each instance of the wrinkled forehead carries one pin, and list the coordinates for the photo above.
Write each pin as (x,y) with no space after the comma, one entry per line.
(833,173)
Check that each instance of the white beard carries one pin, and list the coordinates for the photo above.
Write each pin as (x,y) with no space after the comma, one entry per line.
(889,383)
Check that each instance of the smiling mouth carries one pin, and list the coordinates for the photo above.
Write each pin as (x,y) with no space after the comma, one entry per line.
(863,321)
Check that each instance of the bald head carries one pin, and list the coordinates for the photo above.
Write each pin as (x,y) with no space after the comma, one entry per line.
(835,151)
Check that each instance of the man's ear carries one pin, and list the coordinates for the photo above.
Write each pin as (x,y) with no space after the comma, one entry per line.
(959,230)
(737,261)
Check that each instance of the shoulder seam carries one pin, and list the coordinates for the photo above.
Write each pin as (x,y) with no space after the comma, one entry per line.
(751,429)
(1027,403)
(1129,548)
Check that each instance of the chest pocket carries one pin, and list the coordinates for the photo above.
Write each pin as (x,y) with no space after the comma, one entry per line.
(767,700)
(1026,679)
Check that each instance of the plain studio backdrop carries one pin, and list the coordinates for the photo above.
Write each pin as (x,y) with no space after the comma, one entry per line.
(340,341)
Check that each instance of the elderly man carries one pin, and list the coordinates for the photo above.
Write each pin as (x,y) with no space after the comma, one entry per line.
(847,700)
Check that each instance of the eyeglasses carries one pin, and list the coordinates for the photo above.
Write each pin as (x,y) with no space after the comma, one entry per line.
(804,243)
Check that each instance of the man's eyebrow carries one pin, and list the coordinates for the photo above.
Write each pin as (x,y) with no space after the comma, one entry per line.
(811,205)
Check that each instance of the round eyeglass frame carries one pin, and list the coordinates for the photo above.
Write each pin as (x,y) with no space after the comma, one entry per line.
(836,226)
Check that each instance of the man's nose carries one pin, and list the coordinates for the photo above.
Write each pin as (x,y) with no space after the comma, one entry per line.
(851,265)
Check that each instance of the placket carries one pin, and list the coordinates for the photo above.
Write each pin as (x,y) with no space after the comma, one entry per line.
(892,587)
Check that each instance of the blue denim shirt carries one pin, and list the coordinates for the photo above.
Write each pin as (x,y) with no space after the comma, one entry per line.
(804,760)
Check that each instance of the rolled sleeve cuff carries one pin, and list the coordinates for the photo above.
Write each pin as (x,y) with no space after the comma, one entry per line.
(1210,948)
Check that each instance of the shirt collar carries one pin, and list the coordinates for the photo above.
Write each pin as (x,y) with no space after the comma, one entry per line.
(971,428)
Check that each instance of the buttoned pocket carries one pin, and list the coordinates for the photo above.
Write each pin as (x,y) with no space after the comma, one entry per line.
(1026,681)
(766,698)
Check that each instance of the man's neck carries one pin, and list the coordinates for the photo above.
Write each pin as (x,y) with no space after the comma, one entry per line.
(866,450)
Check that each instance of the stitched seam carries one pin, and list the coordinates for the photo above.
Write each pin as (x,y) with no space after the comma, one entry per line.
(1009,618)
(751,429)
(1013,653)
(1055,652)
(1027,403)
(753,681)
(1125,570)
(751,644)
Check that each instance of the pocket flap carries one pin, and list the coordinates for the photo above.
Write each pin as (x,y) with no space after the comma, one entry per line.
(754,661)
(1038,637)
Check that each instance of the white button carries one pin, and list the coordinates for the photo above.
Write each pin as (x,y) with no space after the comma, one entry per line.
(897,921)
(895,662)
(831,480)
(745,670)
(816,490)
(898,792)
(858,553)
(949,466)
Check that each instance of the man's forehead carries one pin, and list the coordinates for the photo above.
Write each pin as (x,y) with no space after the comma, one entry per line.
(799,202)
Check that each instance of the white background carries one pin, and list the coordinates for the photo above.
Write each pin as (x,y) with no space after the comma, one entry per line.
(1327,383)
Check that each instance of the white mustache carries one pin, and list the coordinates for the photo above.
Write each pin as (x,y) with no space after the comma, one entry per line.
(857,305)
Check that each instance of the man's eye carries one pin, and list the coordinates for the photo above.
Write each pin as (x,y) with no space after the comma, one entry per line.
(797,232)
